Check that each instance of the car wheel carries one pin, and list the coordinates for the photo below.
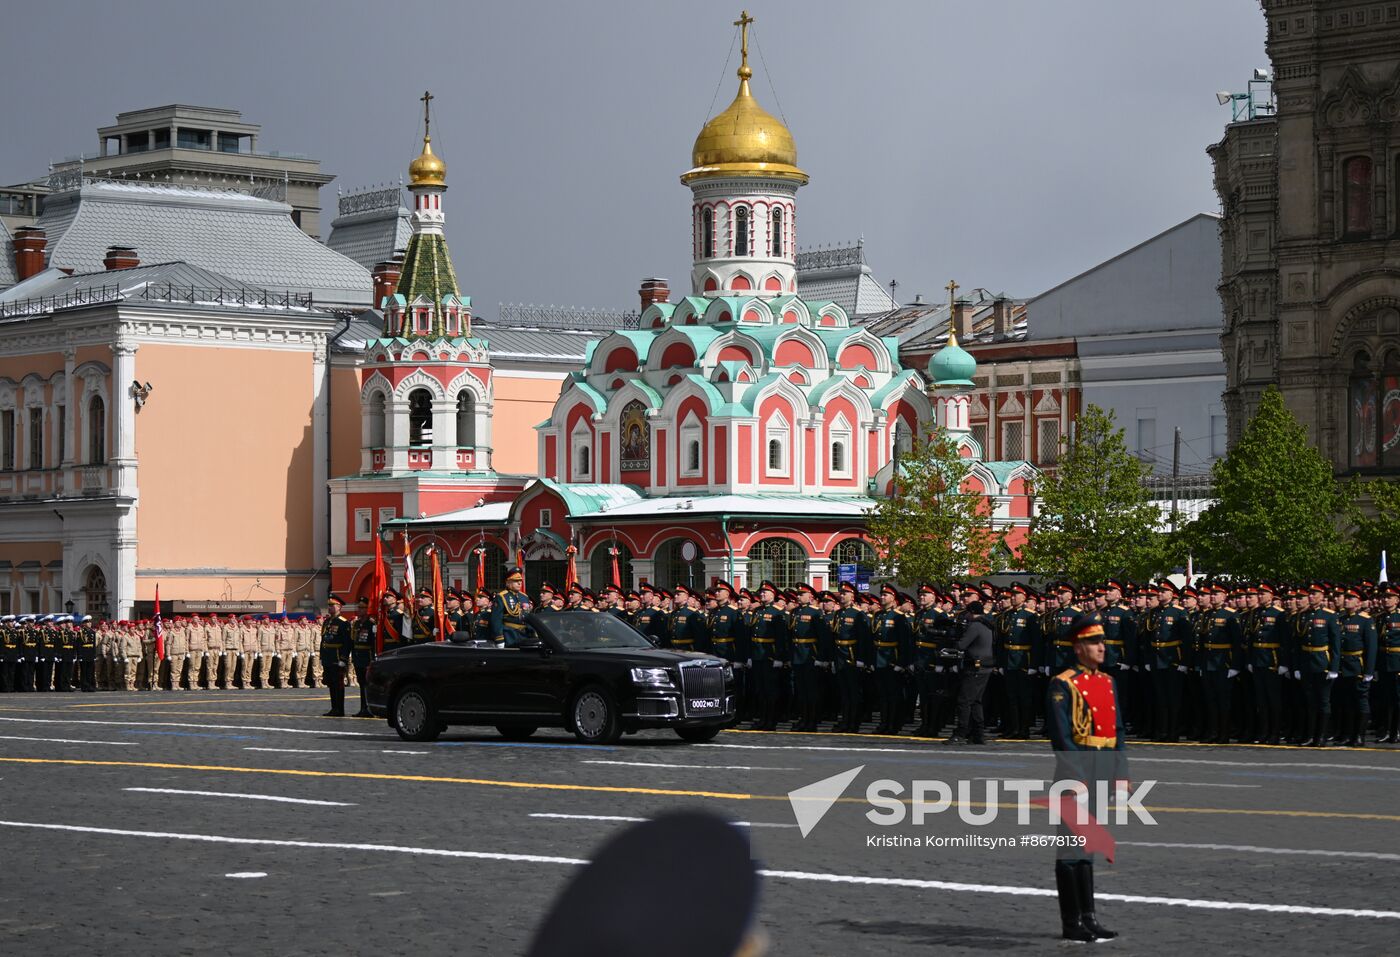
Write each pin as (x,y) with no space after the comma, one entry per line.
(516,732)
(698,735)
(413,716)
(595,716)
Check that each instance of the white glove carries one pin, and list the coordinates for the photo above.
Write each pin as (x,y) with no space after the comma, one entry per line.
(1369,678)
(938,669)
(187,657)
(1249,668)
(1297,674)
(1283,670)
(1181,668)
(1134,668)
(1146,667)
(257,655)
(1230,673)
(1045,669)
(996,671)
(1331,675)
(748,663)
(863,665)
(897,669)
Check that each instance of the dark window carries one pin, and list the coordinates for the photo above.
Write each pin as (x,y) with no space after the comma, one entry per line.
(779,560)
(466,421)
(228,143)
(423,569)
(1356,176)
(137,142)
(160,139)
(97,431)
(741,231)
(36,438)
(189,139)
(95,592)
(7,440)
(62,437)
(777,232)
(1362,413)
(491,560)
(420,417)
(775,455)
(600,565)
(838,456)
(692,456)
(1389,418)
(707,233)
(672,569)
(857,556)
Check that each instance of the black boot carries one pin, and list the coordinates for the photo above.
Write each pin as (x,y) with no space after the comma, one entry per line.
(1071,919)
(1084,882)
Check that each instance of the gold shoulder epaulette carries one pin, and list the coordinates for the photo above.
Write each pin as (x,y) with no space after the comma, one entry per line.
(1066,675)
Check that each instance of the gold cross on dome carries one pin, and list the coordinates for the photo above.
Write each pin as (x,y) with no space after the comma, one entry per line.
(427,98)
(743,24)
(952,288)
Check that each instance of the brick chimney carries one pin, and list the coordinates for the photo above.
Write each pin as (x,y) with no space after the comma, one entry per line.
(29,244)
(654,290)
(120,257)
(386,279)
(962,319)
(1002,324)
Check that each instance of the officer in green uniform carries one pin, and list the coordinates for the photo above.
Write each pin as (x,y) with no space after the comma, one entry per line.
(362,650)
(394,622)
(894,652)
(508,612)
(808,638)
(1388,625)
(1169,644)
(1318,659)
(1358,666)
(651,620)
(48,653)
(458,619)
(687,625)
(87,654)
(481,617)
(1068,611)
(9,654)
(28,654)
(1267,662)
(728,638)
(1219,662)
(337,645)
(424,621)
(933,629)
(854,651)
(1020,635)
(772,650)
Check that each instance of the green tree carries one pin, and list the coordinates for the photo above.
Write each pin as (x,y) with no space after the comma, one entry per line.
(933,528)
(1096,518)
(1376,529)
(1278,509)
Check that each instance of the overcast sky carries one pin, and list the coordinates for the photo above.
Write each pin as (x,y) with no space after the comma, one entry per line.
(1009,144)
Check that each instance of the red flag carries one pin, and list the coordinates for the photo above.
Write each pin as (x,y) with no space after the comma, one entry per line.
(159,629)
(571,575)
(1097,839)
(439,609)
(409,585)
(480,567)
(520,559)
(378,583)
(616,572)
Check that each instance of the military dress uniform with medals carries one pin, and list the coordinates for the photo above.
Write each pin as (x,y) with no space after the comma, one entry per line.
(508,615)
(1388,625)
(1356,672)
(1020,638)
(362,654)
(1219,662)
(687,627)
(727,639)
(894,652)
(1319,657)
(771,652)
(933,632)
(337,645)
(854,648)
(9,656)
(423,622)
(1268,661)
(808,635)
(1168,649)
(87,658)
(1120,652)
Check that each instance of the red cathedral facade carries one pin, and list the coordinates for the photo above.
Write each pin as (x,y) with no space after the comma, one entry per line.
(743,432)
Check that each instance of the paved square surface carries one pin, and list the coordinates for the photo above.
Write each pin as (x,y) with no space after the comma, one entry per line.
(243,822)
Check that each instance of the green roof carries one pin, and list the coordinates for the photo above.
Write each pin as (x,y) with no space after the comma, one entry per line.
(427,272)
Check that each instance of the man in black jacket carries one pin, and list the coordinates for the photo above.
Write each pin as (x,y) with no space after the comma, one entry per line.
(976,646)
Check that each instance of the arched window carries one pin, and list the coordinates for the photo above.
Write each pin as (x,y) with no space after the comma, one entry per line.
(420,417)
(600,565)
(466,420)
(674,568)
(903,438)
(775,455)
(376,413)
(741,231)
(1356,185)
(779,560)
(852,560)
(692,455)
(1363,412)
(777,232)
(1390,410)
(707,233)
(97,431)
(838,457)
(495,567)
(777,432)
(95,592)
(585,467)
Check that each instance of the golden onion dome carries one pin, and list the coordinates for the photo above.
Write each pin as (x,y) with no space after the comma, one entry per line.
(428,169)
(744,140)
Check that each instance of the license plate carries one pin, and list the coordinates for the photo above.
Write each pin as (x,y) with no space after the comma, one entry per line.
(704,704)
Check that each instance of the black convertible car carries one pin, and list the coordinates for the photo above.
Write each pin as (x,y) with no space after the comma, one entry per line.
(590,673)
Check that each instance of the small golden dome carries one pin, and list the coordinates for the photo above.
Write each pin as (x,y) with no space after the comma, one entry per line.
(427,169)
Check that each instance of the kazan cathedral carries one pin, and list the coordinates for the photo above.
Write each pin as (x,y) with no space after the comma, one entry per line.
(741,433)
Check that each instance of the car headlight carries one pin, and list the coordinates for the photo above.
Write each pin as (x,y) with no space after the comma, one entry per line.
(728,672)
(652,677)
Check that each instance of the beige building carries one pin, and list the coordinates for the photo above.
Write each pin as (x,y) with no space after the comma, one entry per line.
(1310,239)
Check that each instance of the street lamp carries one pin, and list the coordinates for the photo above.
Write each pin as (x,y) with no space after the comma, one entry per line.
(68,606)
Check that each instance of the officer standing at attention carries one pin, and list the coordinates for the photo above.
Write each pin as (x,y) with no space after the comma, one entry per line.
(459,622)
(508,612)
(1319,657)
(771,651)
(930,628)
(854,653)
(87,655)
(687,628)
(337,645)
(424,619)
(808,638)
(363,650)
(894,651)
(9,653)
(1086,730)
(1022,637)
(1267,663)
(1388,627)
(1219,661)
(1358,666)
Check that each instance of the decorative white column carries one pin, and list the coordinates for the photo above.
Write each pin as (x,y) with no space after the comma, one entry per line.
(397,434)
(482,458)
(320,420)
(70,420)
(444,435)
(124,421)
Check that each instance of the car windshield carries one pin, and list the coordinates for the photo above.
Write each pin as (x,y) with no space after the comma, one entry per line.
(586,630)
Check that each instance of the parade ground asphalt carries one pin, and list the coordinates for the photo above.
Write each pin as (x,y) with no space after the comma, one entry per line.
(243,822)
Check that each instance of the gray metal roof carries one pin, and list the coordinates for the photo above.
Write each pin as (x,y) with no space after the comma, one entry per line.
(372,236)
(551,345)
(925,324)
(251,240)
(7,257)
(841,275)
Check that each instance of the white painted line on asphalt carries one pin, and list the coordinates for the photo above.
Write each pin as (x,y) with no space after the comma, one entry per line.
(691,767)
(397,751)
(292,750)
(1179,784)
(15,737)
(247,874)
(638,820)
(246,797)
(1255,849)
(1134,757)
(808,876)
(187,724)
